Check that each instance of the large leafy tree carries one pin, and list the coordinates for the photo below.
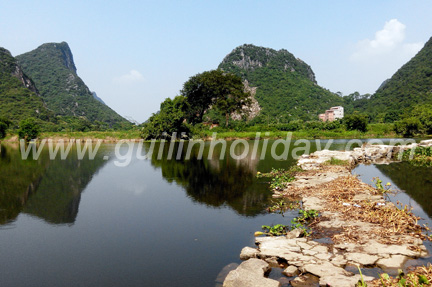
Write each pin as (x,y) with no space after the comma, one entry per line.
(170,118)
(218,89)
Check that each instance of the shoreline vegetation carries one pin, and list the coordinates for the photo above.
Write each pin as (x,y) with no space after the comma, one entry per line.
(270,132)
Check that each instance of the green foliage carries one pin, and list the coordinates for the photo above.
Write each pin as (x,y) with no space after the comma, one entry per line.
(281,206)
(170,119)
(415,121)
(216,89)
(356,121)
(335,161)
(419,156)
(409,86)
(52,69)
(4,125)
(280,177)
(301,222)
(18,97)
(275,230)
(361,282)
(28,129)
(286,86)
(379,186)
(408,127)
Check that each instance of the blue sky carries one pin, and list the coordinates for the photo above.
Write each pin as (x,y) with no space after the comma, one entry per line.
(135,54)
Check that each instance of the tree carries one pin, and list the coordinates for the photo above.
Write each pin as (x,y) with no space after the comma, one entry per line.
(28,129)
(223,91)
(4,125)
(356,121)
(170,119)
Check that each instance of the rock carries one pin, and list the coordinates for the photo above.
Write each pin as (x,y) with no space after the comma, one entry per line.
(341,280)
(248,252)
(312,203)
(393,262)
(272,261)
(323,256)
(291,271)
(339,261)
(224,272)
(305,280)
(324,269)
(250,274)
(361,258)
(294,233)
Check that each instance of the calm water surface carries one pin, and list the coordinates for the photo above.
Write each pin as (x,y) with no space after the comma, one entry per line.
(152,223)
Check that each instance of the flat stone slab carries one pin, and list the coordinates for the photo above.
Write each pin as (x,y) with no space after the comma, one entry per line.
(250,274)
(393,262)
(362,258)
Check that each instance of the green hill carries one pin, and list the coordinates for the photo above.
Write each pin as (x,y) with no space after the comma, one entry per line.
(286,86)
(53,70)
(411,85)
(19,97)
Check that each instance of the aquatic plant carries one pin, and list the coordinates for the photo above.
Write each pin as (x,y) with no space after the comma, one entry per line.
(279,177)
(378,185)
(419,277)
(281,206)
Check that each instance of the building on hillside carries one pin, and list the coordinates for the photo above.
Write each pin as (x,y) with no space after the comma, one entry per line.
(332,114)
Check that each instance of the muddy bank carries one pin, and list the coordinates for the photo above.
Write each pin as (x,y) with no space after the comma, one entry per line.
(356,227)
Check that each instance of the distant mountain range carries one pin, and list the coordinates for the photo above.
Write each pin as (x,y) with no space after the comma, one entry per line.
(44,84)
(287,89)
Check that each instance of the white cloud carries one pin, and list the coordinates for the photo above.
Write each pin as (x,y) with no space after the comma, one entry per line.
(133,76)
(388,41)
(372,61)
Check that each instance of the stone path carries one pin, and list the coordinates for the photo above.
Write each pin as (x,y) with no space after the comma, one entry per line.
(306,256)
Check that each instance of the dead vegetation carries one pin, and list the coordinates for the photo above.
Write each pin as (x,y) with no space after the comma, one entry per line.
(418,276)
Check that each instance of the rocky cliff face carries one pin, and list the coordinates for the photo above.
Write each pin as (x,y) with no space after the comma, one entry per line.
(19,97)
(285,86)
(253,109)
(8,64)
(249,57)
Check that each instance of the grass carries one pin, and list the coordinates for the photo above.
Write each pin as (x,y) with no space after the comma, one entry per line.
(374,131)
(335,161)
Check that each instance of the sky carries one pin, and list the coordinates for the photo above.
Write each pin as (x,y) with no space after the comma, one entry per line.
(135,54)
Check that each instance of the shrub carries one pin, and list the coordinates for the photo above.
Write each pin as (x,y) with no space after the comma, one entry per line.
(28,129)
(408,127)
(356,121)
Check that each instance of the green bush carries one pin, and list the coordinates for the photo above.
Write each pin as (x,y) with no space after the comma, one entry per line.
(408,127)
(356,121)
(4,125)
(28,129)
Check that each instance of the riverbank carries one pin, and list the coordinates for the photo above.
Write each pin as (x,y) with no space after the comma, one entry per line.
(356,227)
(115,136)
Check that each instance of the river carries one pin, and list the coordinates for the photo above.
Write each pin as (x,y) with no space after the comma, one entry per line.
(152,222)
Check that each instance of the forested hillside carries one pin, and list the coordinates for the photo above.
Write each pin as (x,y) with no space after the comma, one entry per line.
(411,85)
(286,86)
(19,97)
(53,70)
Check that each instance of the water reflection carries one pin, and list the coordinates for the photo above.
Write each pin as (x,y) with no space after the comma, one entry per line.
(215,182)
(415,181)
(48,189)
